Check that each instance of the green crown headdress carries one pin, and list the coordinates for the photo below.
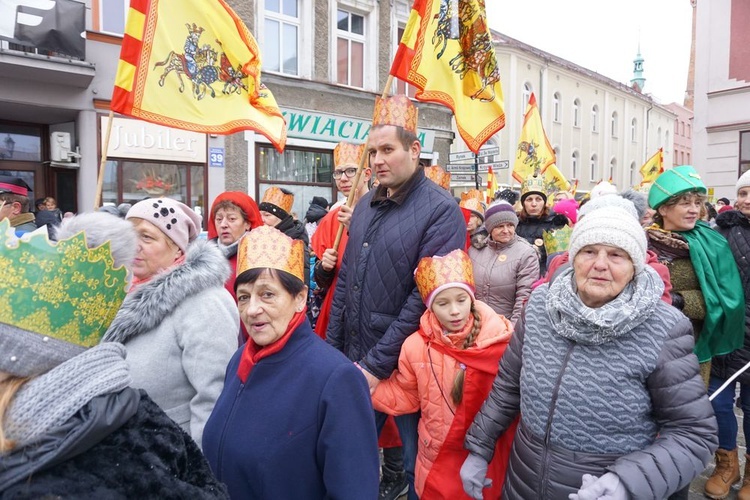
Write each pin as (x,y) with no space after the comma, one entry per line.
(557,240)
(63,290)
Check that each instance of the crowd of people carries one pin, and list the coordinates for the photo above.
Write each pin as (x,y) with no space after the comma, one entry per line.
(406,342)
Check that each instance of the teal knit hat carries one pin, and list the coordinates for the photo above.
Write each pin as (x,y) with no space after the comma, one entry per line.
(675,182)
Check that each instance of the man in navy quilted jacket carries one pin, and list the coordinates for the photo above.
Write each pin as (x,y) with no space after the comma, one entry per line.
(376,304)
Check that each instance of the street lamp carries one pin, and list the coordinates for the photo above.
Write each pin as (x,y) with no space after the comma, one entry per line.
(10,145)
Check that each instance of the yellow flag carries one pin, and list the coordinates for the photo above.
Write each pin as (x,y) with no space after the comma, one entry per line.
(534,153)
(554,180)
(193,64)
(653,167)
(446,52)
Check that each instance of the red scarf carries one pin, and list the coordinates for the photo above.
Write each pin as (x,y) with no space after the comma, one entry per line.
(443,480)
(254,353)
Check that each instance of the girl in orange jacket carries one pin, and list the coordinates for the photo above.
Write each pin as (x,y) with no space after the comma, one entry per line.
(446,370)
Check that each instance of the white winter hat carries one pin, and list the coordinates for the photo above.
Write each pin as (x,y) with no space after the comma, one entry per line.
(608,201)
(602,189)
(611,226)
(743,181)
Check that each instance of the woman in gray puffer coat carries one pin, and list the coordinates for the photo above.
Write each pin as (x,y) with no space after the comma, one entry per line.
(506,265)
(605,380)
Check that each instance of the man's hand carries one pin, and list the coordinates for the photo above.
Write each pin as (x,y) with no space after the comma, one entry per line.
(345,215)
(372,380)
(328,261)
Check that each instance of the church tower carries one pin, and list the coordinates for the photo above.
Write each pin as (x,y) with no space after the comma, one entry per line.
(638,81)
(690,88)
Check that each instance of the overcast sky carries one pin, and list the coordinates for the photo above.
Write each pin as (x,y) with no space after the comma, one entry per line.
(608,44)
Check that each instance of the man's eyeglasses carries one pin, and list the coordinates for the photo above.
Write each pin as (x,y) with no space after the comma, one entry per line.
(350,172)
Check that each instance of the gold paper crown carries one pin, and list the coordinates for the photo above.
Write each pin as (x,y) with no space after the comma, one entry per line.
(439,176)
(62,290)
(533,184)
(276,196)
(557,240)
(347,154)
(435,272)
(267,247)
(472,200)
(396,110)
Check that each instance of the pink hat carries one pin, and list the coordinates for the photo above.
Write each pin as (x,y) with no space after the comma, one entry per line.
(569,208)
(176,220)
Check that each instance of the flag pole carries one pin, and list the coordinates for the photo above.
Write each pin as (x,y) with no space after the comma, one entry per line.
(358,176)
(103,163)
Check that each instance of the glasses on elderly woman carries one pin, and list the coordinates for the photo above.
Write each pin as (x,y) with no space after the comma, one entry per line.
(348,171)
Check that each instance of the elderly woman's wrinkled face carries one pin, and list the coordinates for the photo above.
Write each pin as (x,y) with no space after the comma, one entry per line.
(682,215)
(474,222)
(156,252)
(269,219)
(534,205)
(503,233)
(601,273)
(266,308)
(230,224)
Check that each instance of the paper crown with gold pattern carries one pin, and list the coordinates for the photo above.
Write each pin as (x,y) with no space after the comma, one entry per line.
(346,154)
(557,240)
(397,110)
(533,185)
(438,175)
(267,247)
(472,200)
(276,198)
(435,274)
(56,299)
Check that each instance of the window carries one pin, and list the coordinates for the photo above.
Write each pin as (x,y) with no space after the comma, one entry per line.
(612,168)
(556,107)
(666,138)
(682,129)
(574,165)
(401,86)
(527,90)
(306,173)
(592,168)
(688,159)
(632,173)
(281,36)
(595,118)
(614,124)
(576,113)
(112,15)
(659,138)
(633,129)
(689,130)
(350,47)
(143,179)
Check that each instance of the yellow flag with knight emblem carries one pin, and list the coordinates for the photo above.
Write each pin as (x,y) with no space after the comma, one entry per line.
(534,152)
(653,167)
(194,65)
(446,52)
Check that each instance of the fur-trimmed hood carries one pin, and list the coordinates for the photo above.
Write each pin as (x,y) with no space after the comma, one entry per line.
(732,218)
(144,309)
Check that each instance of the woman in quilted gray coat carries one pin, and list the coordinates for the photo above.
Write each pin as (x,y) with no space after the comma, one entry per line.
(603,374)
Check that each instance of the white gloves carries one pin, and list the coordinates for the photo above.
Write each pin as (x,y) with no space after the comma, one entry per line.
(607,487)
(473,476)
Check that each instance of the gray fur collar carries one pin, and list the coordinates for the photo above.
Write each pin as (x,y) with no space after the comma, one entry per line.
(146,307)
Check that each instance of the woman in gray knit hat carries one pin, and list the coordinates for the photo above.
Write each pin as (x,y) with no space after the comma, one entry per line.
(603,375)
(70,425)
(506,265)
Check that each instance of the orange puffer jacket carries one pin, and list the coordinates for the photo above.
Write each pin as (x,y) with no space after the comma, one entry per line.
(425,379)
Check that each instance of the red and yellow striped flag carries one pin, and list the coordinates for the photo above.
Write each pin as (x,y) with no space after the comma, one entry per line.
(534,152)
(653,167)
(194,65)
(492,185)
(446,52)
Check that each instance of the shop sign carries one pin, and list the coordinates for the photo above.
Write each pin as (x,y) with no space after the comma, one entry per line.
(216,157)
(147,141)
(302,124)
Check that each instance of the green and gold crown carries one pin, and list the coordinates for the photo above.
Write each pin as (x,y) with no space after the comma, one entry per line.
(557,240)
(62,290)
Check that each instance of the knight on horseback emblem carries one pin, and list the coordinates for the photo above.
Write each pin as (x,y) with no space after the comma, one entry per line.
(198,64)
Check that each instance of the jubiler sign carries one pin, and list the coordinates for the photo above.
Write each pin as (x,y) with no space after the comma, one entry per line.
(147,141)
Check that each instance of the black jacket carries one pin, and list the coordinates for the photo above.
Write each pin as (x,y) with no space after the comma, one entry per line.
(119,446)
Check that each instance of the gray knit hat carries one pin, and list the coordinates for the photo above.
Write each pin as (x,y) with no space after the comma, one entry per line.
(743,181)
(499,212)
(613,226)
